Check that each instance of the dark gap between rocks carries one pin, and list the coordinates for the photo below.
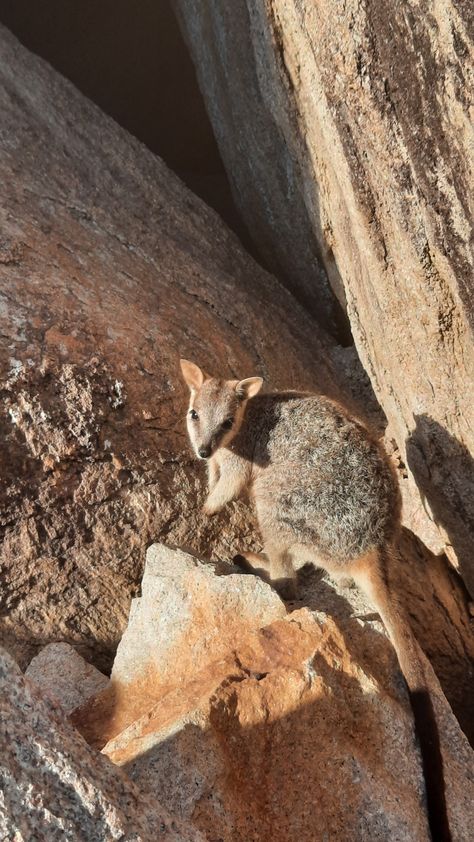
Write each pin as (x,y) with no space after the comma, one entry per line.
(131,60)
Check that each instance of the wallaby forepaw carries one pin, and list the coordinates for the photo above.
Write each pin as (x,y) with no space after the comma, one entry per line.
(209,509)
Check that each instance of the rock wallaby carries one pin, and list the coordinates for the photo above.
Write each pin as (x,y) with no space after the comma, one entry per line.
(325,492)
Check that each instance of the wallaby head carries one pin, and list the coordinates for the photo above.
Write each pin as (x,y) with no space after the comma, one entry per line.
(216,408)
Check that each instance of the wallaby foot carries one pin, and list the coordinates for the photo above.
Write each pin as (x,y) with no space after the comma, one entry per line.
(287,588)
(256,563)
(276,570)
(282,573)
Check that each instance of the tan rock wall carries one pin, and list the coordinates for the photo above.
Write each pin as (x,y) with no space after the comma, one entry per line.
(370,105)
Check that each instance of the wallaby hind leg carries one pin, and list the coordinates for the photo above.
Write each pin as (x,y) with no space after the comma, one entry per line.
(253,562)
(256,563)
(274,566)
(282,572)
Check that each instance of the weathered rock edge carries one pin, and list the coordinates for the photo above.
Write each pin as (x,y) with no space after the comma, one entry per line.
(226,718)
(55,787)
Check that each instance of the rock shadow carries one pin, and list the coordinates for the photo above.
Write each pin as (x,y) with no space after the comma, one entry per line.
(443,469)
(434,598)
(245,781)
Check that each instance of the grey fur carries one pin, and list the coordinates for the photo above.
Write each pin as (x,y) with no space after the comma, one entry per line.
(322,479)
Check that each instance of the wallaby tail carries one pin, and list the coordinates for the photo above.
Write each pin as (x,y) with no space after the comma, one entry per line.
(373,580)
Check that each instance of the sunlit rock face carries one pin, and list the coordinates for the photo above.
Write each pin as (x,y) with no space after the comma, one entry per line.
(248,722)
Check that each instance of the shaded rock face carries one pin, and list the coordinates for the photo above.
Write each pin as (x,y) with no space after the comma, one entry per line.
(101,60)
(62,674)
(297,729)
(364,112)
(54,787)
(110,270)
(435,601)
(239,78)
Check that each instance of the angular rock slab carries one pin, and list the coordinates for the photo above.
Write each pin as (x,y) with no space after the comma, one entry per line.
(187,617)
(53,787)
(59,671)
(306,732)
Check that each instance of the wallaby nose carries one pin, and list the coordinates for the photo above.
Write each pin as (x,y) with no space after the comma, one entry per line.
(204,452)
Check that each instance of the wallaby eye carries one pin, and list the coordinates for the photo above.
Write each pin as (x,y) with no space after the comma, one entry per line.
(193,414)
(227,425)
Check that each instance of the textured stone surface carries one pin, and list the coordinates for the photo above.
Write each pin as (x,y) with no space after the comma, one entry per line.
(304,730)
(187,617)
(59,671)
(363,110)
(210,610)
(243,729)
(54,787)
(246,99)
(435,601)
(110,270)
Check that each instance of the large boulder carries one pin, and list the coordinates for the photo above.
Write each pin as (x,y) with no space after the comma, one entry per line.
(53,787)
(110,270)
(190,614)
(286,742)
(350,122)
(254,723)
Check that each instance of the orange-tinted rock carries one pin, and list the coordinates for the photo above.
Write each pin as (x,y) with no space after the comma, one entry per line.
(435,600)
(187,617)
(305,730)
(244,730)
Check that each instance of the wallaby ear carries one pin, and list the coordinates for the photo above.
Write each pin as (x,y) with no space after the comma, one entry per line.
(249,387)
(192,374)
